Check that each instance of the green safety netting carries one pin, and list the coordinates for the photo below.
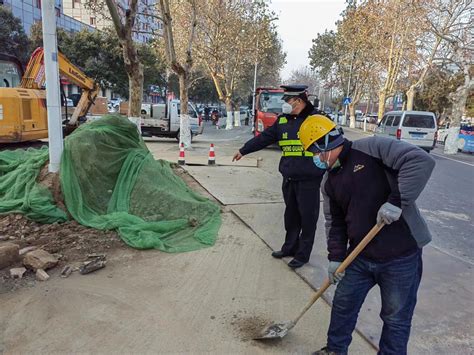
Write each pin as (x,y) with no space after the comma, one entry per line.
(19,191)
(111,181)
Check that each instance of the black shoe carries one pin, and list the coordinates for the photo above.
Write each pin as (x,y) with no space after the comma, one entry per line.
(295,263)
(324,351)
(279,254)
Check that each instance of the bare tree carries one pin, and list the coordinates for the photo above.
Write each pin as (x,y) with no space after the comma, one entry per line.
(458,53)
(227,32)
(440,18)
(180,57)
(124,25)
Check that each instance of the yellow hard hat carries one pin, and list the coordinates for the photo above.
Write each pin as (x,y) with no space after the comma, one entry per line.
(313,128)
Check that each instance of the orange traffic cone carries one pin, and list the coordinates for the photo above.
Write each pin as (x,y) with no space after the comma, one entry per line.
(212,156)
(181,160)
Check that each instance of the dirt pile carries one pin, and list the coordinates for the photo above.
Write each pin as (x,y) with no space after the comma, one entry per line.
(71,242)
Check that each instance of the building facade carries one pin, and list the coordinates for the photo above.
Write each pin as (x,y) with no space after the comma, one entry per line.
(29,12)
(146,24)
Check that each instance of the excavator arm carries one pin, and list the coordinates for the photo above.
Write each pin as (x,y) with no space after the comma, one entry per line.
(34,78)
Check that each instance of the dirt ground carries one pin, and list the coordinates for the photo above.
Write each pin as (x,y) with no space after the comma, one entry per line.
(71,242)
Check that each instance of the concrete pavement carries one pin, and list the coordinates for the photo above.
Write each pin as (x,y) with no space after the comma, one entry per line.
(203,302)
(443,318)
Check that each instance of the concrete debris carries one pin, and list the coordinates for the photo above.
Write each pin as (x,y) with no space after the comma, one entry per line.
(93,265)
(41,275)
(9,253)
(39,259)
(17,272)
(66,271)
(23,251)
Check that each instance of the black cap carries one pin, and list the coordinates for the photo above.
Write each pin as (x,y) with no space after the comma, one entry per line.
(294,91)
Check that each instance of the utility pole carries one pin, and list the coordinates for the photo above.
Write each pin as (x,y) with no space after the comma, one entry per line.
(53,102)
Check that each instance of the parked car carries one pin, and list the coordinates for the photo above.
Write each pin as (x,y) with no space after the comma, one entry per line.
(415,127)
(114,104)
(66,102)
(75,98)
(371,118)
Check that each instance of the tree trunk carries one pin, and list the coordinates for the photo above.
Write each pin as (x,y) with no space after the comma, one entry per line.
(459,99)
(382,96)
(352,116)
(184,127)
(134,71)
(410,97)
(228,107)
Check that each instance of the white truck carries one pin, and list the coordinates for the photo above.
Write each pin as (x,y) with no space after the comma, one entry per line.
(162,120)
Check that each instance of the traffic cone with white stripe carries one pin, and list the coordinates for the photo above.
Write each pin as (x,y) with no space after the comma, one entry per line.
(181,160)
(212,156)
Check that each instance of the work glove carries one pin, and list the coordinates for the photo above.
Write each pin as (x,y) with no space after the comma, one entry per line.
(333,277)
(388,213)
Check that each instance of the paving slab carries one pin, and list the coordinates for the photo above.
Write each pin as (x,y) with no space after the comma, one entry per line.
(442,322)
(152,302)
(238,185)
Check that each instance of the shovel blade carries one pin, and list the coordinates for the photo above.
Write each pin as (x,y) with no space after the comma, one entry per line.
(274,331)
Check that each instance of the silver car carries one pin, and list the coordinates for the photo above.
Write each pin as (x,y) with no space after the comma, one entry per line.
(415,127)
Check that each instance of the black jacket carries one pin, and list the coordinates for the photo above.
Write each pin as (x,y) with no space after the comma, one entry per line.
(286,128)
(373,171)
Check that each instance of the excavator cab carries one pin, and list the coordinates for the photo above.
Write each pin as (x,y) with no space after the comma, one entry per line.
(11,71)
(23,113)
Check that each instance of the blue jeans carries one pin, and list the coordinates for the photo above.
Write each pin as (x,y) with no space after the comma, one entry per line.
(398,281)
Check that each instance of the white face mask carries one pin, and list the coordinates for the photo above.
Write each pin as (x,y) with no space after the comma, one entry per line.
(286,108)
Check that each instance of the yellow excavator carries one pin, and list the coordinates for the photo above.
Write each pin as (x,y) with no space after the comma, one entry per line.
(23,115)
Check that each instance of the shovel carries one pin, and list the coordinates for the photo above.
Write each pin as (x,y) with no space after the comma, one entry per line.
(279,330)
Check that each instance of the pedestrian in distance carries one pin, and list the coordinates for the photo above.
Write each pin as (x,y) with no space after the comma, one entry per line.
(215,118)
(371,180)
(301,178)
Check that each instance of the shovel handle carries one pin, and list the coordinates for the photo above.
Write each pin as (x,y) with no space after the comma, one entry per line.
(347,261)
(367,239)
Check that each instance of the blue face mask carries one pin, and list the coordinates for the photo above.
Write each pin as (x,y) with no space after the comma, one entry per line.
(319,163)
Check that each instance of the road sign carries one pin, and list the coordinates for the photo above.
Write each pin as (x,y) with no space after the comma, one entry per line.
(346,101)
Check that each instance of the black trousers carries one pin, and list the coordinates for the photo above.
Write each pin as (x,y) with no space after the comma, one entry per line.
(301,215)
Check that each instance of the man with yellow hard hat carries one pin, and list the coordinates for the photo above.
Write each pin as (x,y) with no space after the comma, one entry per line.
(371,180)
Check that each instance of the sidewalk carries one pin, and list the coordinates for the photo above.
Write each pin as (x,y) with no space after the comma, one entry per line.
(207,301)
(443,318)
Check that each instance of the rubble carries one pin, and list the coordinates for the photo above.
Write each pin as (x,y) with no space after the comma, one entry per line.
(9,254)
(40,259)
(17,272)
(66,271)
(97,263)
(41,275)
(23,251)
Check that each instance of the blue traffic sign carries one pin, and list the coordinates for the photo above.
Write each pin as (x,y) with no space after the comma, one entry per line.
(346,101)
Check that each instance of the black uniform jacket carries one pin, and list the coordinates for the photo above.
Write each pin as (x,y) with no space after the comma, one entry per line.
(295,163)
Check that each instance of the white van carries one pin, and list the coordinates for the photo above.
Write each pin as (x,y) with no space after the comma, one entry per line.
(415,127)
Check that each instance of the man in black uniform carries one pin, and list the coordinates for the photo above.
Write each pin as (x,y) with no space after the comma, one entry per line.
(301,178)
